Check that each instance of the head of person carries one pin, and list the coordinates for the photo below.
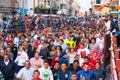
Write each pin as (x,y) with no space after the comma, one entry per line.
(64,66)
(53,48)
(58,52)
(59,48)
(44,45)
(61,41)
(37,56)
(96,47)
(46,64)
(86,59)
(86,67)
(93,40)
(36,74)
(95,54)
(74,76)
(27,64)
(6,57)
(76,63)
(8,49)
(2,52)
(57,66)
(68,46)
(72,50)
(82,45)
(97,65)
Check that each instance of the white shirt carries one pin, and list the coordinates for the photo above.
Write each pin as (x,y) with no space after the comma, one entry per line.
(46,74)
(35,37)
(100,43)
(6,63)
(16,41)
(21,58)
(26,74)
(86,53)
(107,24)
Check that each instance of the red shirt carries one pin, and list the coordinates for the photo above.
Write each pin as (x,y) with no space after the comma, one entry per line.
(91,66)
(54,60)
(38,79)
(94,60)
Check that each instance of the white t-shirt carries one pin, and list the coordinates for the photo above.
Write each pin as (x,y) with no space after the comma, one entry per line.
(46,74)
(100,43)
(35,37)
(21,58)
(26,74)
(16,41)
(72,58)
(82,53)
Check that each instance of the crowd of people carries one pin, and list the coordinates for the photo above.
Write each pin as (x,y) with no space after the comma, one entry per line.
(53,48)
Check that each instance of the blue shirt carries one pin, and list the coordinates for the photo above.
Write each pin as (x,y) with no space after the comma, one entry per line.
(83,75)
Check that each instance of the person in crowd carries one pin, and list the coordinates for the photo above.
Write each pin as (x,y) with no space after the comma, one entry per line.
(64,58)
(92,44)
(36,61)
(64,74)
(75,67)
(82,52)
(46,72)
(100,41)
(94,58)
(74,76)
(71,42)
(44,52)
(14,49)
(96,49)
(56,58)
(8,68)
(50,45)
(56,41)
(85,74)
(2,52)
(22,56)
(8,51)
(63,45)
(68,48)
(26,73)
(72,56)
(36,75)
(87,60)
(31,50)
(98,72)
(55,70)
(58,48)
(52,53)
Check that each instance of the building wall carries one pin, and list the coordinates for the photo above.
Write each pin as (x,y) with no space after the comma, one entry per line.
(5,3)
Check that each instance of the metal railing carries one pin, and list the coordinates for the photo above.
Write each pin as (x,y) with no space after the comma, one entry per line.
(113,65)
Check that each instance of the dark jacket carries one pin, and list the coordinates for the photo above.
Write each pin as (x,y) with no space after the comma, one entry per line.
(55,73)
(99,74)
(31,52)
(64,75)
(8,70)
(44,53)
(72,69)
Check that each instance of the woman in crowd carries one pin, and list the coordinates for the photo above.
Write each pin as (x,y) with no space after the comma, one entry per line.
(22,56)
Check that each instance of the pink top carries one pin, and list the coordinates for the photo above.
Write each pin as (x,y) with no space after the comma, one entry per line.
(98,51)
(34,62)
